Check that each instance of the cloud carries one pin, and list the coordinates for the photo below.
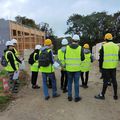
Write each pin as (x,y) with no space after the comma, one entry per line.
(54,12)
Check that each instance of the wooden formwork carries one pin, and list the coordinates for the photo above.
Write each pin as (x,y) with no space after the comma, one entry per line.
(27,37)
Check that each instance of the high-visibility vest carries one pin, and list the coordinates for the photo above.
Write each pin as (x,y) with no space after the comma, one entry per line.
(48,69)
(34,67)
(86,64)
(73,59)
(9,67)
(110,58)
(61,56)
(16,52)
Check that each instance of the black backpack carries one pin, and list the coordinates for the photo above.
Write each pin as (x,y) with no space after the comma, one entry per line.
(4,62)
(30,59)
(44,58)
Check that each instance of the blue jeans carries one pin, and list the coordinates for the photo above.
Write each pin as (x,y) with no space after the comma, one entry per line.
(73,76)
(51,76)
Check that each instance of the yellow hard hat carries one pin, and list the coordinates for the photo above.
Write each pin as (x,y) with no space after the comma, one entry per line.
(86,46)
(47,42)
(108,36)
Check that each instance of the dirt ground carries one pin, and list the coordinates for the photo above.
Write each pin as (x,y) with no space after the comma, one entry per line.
(30,104)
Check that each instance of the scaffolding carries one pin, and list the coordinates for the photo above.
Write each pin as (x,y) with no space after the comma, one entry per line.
(27,37)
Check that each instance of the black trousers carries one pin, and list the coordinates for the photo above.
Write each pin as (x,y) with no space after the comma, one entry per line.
(84,79)
(34,78)
(64,80)
(109,74)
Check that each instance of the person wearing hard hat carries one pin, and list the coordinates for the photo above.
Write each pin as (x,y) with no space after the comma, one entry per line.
(34,67)
(86,65)
(14,41)
(11,66)
(109,57)
(61,55)
(73,57)
(46,67)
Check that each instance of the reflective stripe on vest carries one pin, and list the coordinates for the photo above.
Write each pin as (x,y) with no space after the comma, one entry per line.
(48,69)
(9,67)
(34,67)
(86,64)
(73,59)
(110,59)
(16,52)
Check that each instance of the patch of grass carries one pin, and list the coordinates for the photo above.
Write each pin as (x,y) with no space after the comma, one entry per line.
(4,102)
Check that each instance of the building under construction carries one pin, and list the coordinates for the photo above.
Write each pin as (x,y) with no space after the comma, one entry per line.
(27,37)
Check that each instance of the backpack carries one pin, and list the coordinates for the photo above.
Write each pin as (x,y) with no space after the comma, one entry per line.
(30,59)
(44,58)
(4,62)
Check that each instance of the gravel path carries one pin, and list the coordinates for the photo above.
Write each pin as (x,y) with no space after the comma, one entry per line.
(30,104)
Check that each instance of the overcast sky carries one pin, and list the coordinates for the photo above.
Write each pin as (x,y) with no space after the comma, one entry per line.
(55,12)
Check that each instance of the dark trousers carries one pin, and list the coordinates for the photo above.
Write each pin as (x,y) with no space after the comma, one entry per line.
(84,79)
(64,80)
(34,78)
(109,74)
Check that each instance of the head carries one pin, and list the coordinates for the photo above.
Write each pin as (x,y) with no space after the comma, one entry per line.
(14,42)
(38,47)
(9,45)
(75,38)
(64,42)
(108,37)
(86,46)
(48,43)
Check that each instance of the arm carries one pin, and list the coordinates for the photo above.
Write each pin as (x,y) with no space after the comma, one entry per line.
(101,58)
(82,55)
(11,60)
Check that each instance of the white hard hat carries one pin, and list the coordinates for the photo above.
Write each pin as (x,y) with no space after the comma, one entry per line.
(76,37)
(64,41)
(9,43)
(14,41)
(38,47)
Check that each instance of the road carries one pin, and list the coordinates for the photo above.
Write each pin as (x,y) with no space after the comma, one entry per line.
(30,104)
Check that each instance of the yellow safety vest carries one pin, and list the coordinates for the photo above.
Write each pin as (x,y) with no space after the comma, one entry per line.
(110,58)
(16,52)
(9,67)
(86,64)
(73,59)
(61,57)
(34,67)
(48,69)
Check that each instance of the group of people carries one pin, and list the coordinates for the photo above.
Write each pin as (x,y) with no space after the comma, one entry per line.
(74,60)
(12,57)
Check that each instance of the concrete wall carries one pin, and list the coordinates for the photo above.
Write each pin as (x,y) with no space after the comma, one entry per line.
(4,34)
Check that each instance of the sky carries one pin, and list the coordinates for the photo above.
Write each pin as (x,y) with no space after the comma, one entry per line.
(55,12)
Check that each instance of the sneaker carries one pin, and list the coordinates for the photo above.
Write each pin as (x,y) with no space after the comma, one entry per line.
(46,98)
(70,98)
(36,87)
(115,97)
(85,86)
(77,99)
(100,97)
(56,95)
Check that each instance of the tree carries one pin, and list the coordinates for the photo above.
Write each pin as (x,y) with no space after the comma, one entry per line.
(26,21)
(94,26)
